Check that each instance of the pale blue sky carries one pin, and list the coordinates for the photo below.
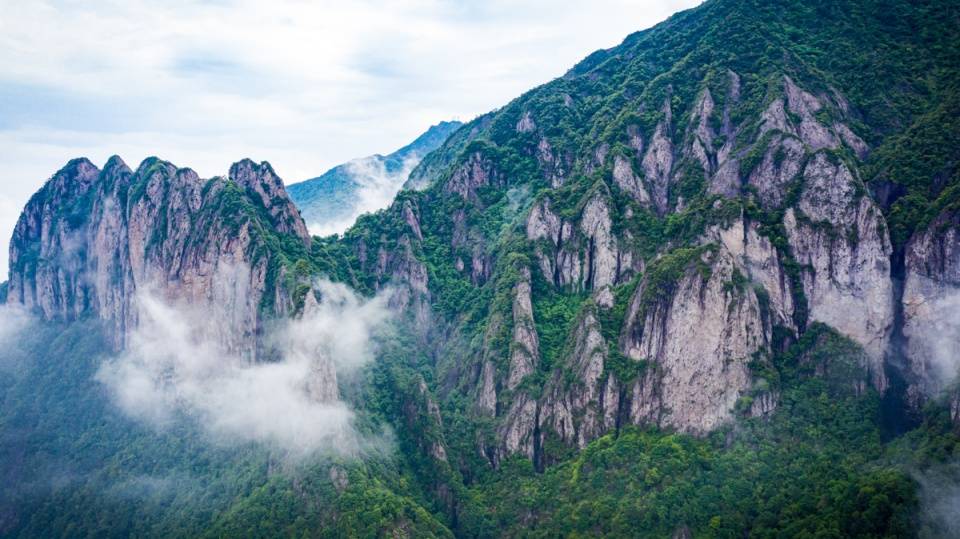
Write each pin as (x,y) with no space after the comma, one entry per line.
(304,85)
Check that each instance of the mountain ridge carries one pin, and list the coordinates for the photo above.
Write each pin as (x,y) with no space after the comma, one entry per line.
(333,200)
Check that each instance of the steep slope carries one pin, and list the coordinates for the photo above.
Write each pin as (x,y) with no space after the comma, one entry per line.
(89,240)
(331,202)
(692,201)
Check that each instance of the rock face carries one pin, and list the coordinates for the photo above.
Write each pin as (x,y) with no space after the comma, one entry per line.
(761,264)
(525,349)
(931,307)
(579,410)
(689,340)
(261,179)
(780,165)
(90,240)
(584,254)
(628,181)
(697,335)
(477,172)
(658,161)
(838,234)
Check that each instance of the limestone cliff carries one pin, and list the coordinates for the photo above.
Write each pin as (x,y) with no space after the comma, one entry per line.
(931,307)
(90,240)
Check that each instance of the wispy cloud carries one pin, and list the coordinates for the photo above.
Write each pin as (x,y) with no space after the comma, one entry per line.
(177,368)
(376,187)
(305,85)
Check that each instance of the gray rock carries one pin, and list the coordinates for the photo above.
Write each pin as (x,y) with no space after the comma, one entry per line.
(586,408)
(658,163)
(699,341)
(780,166)
(525,349)
(626,180)
(526,123)
(839,236)
(931,307)
(155,230)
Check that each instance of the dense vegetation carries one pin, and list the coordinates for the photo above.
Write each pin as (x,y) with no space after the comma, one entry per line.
(74,463)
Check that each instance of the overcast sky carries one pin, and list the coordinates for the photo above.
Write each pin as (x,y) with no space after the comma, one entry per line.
(304,85)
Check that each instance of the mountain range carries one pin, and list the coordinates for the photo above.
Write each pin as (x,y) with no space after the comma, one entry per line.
(332,201)
(705,284)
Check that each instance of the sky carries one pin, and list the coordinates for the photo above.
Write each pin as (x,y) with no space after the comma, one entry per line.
(303,84)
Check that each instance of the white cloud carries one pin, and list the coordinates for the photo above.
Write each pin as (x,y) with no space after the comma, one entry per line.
(376,187)
(15,321)
(305,85)
(175,367)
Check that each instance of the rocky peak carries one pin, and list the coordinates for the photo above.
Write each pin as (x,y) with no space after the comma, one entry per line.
(262,180)
(88,241)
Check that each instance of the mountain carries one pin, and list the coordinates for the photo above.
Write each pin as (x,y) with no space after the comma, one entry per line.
(704,284)
(332,202)
(90,238)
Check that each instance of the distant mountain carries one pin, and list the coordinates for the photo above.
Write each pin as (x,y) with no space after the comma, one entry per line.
(332,202)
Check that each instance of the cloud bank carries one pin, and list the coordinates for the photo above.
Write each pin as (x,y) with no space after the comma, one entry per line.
(175,368)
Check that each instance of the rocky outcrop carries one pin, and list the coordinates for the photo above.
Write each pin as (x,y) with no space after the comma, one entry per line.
(554,165)
(931,307)
(583,254)
(559,260)
(525,349)
(90,240)
(795,113)
(697,334)
(781,163)
(720,165)
(474,173)
(526,123)
(840,238)
(402,269)
(582,406)
(422,416)
(688,340)
(658,162)
(262,180)
(518,433)
(762,266)
(625,178)
(322,381)
(602,254)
